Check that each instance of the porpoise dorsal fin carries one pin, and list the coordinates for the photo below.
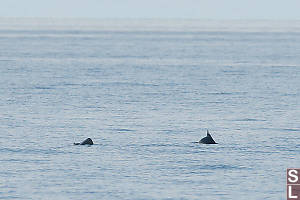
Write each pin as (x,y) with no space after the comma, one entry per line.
(207,134)
(208,139)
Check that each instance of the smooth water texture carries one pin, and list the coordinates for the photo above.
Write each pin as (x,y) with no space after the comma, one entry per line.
(145,92)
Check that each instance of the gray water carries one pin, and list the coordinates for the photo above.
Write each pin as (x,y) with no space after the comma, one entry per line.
(145,92)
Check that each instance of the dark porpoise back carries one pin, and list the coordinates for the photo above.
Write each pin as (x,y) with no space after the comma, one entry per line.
(88,141)
(208,139)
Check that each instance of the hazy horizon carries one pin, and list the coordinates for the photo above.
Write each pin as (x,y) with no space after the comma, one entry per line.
(165,9)
(191,25)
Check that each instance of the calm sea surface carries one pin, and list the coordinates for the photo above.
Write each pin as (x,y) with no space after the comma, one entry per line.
(145,91)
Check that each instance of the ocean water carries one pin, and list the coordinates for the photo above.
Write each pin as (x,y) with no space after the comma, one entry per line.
(145,91)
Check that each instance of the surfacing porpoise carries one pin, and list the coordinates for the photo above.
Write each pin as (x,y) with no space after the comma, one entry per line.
(87,141)
(208,139)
